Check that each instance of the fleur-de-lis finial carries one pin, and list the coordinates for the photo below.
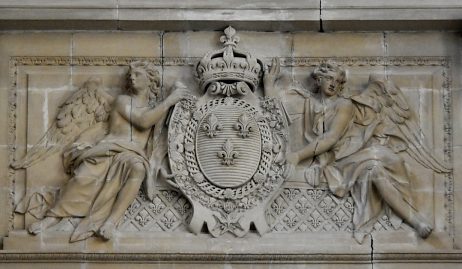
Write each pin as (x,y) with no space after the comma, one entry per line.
(230,38)
(228,154)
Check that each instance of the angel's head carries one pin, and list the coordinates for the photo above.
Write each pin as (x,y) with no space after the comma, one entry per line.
(143,76)
(330,78)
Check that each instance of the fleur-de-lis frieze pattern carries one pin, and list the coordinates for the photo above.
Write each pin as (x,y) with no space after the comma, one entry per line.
(212,126)
(228,154)
(168,211)
(293,210)
(314,210)
(243,125)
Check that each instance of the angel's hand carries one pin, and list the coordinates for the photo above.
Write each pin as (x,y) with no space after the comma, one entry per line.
(271,74)
(180,92)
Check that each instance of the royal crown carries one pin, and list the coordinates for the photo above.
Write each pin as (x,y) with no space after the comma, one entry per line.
(229,64)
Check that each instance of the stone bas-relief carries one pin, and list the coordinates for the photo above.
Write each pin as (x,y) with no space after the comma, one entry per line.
(228,150)
(354,144)
(106,157)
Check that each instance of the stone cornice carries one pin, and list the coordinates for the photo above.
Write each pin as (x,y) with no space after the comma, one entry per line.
(271,15)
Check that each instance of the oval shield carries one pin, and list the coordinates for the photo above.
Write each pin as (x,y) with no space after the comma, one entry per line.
(228,146)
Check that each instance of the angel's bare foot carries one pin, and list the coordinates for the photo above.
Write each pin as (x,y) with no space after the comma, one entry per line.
(42,225)
(107,230)
(423,228)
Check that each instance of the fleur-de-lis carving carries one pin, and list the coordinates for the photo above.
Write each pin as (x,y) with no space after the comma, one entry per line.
(182,206)
(143,218)
(291,219)
(169,219)
(157,205)
(211,126)
(243,125)
(228,154)
(230,38)
(316,219)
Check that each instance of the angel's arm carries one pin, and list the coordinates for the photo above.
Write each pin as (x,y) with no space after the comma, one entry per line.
(141,118)
(335,130)
(146,118)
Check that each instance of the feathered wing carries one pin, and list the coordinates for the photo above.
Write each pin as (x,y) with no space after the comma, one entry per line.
(398,123)
(86,107)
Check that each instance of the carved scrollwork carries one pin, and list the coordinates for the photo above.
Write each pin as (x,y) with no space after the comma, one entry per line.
(229,89)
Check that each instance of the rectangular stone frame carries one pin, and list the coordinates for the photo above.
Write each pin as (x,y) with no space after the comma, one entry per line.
(443,62)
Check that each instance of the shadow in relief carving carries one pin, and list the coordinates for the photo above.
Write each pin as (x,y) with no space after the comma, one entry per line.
(103,139)
(354,144)
(228,151)
(231,177)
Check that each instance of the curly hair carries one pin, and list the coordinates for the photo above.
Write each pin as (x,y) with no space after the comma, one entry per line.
(332,70)
(152,74)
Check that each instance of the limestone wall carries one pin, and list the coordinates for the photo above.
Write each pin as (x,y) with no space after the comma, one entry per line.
(49,50)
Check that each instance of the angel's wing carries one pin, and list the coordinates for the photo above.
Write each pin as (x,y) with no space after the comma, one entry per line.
(89,105)
(399,124)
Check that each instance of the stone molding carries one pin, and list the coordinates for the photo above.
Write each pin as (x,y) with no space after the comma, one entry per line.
(208,258)
(295,15)
(182,61)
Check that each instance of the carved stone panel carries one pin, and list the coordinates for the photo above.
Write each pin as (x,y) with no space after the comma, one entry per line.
(239,153)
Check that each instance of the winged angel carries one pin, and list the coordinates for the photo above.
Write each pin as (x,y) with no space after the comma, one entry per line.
(110,146)
(355,142)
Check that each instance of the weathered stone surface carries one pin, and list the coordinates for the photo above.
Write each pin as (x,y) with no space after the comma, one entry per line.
(302,219)
(4,111)
(413,44)
(29,44)
(117,44)
(327,15)
(392,15)
(189,44)
(457,197)
(415,266)
(340,44)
